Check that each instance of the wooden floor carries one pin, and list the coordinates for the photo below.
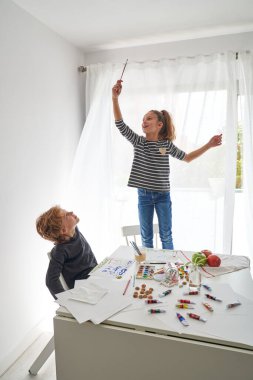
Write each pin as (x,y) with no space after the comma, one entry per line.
(19,370)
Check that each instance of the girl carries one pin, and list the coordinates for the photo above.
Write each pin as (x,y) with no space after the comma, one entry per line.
(150,169)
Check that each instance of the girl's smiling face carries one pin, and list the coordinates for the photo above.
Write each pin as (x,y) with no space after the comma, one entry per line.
(150,124)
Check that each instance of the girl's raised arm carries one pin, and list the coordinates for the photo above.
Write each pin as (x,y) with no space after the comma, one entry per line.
(116,90)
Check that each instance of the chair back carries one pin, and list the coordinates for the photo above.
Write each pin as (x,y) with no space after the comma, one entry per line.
(62,281)
(131,233)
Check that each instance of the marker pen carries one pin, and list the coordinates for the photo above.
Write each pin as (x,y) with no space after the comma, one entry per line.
(152,301)
(165,293)
(186,301)
(213,298)
(182,320)
(231,305)
(156,311)
(198,317)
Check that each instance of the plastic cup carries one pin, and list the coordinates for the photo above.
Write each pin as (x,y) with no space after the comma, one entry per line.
(140,258)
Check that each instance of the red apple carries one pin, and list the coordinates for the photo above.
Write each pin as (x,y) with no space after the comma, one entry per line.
(206,252)
(213,261)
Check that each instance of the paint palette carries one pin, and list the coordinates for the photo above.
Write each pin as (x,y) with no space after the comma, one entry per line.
(145,272)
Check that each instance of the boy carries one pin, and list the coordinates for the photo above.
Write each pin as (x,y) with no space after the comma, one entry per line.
(71,255)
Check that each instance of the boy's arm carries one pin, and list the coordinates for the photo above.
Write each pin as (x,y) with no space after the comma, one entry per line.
(213,142)
(53,277)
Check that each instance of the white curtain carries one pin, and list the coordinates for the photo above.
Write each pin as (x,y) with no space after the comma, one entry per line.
(200,93)
(245,63)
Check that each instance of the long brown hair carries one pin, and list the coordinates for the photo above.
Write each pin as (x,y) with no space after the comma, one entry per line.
(167,132)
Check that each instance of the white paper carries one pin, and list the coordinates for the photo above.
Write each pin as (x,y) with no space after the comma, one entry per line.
(89,293)
(113,268)
(112,302)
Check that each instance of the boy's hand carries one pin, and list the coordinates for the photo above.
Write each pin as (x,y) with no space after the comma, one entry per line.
(116,90)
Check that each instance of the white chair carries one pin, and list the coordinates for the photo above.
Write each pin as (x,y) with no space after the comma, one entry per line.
(131,233)
(49,348)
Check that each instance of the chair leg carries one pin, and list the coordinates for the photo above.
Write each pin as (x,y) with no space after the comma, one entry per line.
(42,358)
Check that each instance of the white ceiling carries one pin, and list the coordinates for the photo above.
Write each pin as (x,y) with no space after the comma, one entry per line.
(108,24)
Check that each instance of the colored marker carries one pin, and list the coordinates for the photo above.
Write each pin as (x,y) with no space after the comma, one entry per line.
(182,320)
(191,293)
(152,301)
(165,293)
(198,317)
(156,311)
(184,306)
(207,287)
(213,298)
(186,301)
(231,305)
(207,306)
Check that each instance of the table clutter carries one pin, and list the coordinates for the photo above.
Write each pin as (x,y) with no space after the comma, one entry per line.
(163,283)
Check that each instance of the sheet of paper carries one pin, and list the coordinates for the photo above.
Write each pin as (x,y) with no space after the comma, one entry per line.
(160,256)
(113,268)
(89,292)
(112,302)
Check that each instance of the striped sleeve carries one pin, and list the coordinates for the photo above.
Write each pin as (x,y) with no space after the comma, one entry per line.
(127,132)
(175,151)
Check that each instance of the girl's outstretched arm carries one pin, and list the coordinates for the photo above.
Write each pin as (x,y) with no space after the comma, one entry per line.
(213,142)
(116,90)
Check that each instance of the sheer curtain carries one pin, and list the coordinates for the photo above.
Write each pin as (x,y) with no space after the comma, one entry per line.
(200,93)
(245,63)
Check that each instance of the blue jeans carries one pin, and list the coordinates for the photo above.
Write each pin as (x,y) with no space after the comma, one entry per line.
(148,201)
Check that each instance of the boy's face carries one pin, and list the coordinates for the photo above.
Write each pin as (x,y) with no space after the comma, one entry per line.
(69,222)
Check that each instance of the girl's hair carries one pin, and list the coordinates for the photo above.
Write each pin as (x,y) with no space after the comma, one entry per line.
(167,132)
(49,225)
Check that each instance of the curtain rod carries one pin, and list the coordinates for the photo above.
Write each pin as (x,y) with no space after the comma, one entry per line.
(83,69)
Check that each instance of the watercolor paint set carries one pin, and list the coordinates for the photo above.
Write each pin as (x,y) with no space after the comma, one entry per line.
(145,272)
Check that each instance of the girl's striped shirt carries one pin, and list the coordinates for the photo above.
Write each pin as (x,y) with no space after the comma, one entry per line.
(151,167)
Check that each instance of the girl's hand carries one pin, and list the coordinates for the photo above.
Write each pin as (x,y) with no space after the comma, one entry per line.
(116,90)
(215,141)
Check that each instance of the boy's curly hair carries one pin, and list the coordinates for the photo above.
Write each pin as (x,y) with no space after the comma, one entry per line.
(49,225)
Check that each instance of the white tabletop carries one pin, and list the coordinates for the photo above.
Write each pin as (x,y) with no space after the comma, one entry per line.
(227,327)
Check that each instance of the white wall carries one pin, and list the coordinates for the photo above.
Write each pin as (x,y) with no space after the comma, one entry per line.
(233,42)
(41,116)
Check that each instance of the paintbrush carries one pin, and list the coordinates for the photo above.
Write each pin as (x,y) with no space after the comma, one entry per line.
(134,245)
(123,69)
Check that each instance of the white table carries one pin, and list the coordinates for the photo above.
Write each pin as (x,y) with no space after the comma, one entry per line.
(134,345)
